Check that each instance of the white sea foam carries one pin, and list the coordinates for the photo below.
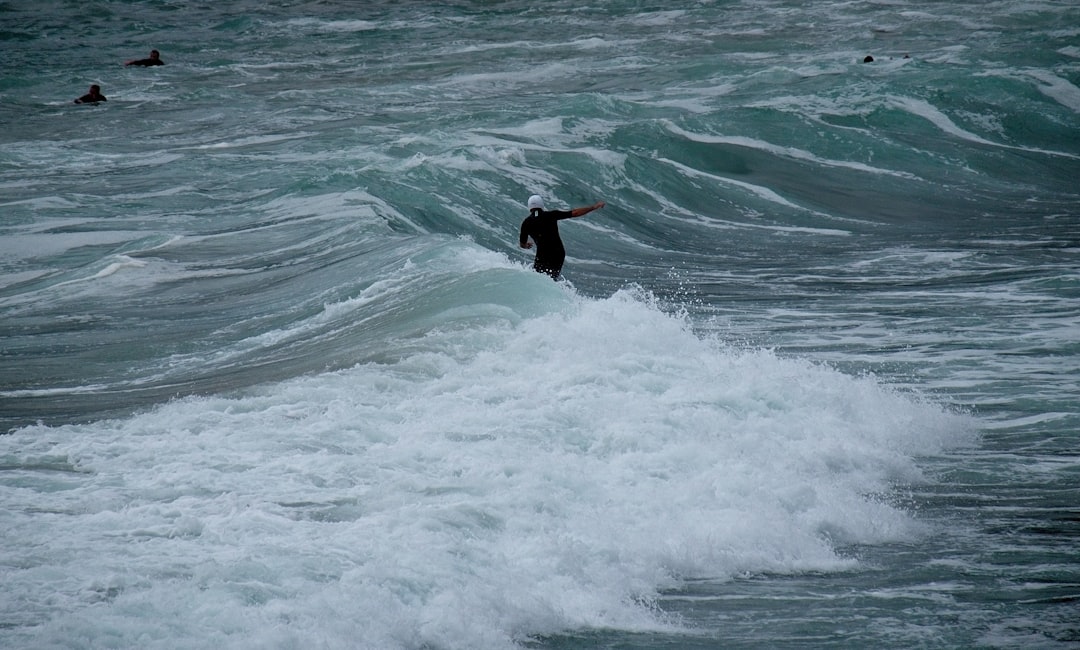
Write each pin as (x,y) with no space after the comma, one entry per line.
(253,141)
(44,245)
(789,152)
(1057,88)
(929,112)
(40,203)
(347,26)
(508,481)
(761,192)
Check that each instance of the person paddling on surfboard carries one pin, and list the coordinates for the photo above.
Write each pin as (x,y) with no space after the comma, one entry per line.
(543,227)
(155,59)
(92,97)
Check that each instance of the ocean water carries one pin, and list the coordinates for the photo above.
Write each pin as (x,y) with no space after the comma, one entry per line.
(275,374)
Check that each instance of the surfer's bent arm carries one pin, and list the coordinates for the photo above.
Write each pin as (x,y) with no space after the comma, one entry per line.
(524,238)
(581,212)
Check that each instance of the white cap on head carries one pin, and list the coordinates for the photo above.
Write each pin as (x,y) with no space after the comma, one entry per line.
(535,201)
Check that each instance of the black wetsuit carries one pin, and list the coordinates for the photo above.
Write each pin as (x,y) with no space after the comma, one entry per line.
(147,62)
(91,99)
(543,227)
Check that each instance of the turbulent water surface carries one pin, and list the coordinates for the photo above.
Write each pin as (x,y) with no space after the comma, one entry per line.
(275,373)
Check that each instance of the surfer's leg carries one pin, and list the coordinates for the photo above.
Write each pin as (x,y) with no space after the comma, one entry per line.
(548,268)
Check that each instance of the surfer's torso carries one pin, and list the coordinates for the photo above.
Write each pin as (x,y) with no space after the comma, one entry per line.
(543,227)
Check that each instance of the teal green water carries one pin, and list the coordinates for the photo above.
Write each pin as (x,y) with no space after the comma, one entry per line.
(275,373)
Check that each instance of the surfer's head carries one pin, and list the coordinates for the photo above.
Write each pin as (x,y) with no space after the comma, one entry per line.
(536,202)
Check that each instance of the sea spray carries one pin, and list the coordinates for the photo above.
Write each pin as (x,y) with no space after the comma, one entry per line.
(505,481)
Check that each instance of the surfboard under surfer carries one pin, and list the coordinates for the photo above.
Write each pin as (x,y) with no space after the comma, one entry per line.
(542,226)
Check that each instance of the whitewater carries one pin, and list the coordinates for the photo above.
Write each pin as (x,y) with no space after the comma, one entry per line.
(274,372)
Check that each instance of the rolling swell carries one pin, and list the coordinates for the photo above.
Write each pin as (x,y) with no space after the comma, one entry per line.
(735,169)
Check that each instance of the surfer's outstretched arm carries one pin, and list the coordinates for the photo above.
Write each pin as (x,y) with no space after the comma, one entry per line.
(581,212)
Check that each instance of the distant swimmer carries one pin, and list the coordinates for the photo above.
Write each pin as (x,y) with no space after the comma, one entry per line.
(870,59)
(155,59)
(543,227)
(92,97)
